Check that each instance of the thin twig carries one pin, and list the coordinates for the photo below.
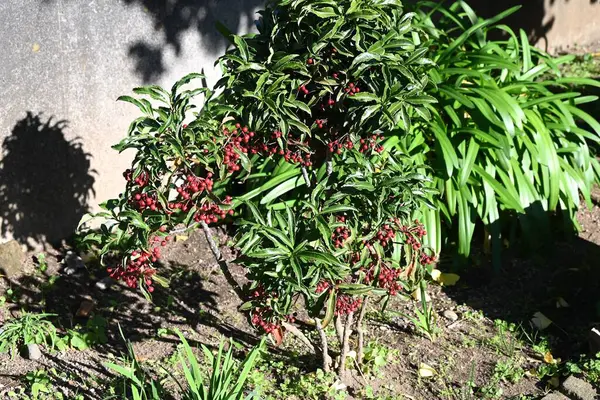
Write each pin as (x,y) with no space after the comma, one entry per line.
(184,229)
(211,243)
(222,263)
(298,333)
(345,345)
(305,176)
(324,349)
(360,331)
(339,329)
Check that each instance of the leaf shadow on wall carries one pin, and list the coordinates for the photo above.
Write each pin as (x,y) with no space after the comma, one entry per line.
(174,18)
(45,182)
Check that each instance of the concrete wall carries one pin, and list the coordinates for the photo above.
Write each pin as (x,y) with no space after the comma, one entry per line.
(555,25)
(69,60)
(64,62)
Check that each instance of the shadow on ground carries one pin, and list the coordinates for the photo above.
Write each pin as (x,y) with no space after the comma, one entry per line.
(563,271)
(45,181)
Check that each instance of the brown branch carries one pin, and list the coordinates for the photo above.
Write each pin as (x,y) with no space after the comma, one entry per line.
(345,345)
(222,263)
(360,331)
(324,347)
(339,329)
(298,333)
(305,176)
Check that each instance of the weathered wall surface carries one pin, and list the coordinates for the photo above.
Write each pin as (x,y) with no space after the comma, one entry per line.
(553,24)
(64,62)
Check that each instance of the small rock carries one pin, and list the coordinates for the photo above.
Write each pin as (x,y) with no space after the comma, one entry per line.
(555,396)
(578,389)
(105,283)
(85,309)
(33,352)
(450,315)
(73,263)
(594,340)
(11,259)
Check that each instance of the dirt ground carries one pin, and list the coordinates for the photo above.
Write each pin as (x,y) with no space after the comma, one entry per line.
(201,303)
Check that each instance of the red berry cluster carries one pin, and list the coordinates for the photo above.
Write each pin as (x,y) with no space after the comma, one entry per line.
(371,143)
(194,184)
(385,235)
(303,89)
(341,233)
(158,240)
(351,89)
(346,304)
(258,319)
(141,180)
(211,212)
(337,147)
(427,259)
(145,201)
(244,141)
(320,123)
(322,286)
(386,279)
(139,265)
(414,235)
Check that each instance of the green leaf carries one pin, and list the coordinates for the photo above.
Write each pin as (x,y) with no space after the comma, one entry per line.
(283,188)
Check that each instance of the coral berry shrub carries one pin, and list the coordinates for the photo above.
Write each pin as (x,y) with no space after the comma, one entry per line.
(301,120)
(353,238)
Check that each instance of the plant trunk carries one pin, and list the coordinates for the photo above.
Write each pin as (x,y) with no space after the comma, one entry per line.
(298,333)
(222,263)
(339,329)
(305,176)
(345,345)
(360,331)
(324,347)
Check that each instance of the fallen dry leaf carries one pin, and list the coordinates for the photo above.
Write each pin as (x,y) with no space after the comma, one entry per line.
(426,371)
(540,321)
(561,303)
(443,278)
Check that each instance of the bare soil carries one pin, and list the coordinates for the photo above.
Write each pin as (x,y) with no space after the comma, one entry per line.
(201,303)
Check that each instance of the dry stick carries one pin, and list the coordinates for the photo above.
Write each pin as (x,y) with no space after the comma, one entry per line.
(305,176)
(222,263)
(345,344)
(360,331)
(339,329)
(324,349)
(298,333)
(238,290)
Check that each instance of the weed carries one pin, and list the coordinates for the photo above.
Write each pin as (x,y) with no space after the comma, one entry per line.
(27,329)
(376,356)
(508,371)
(94,333)
(41,263)
(504,341)
(226,381)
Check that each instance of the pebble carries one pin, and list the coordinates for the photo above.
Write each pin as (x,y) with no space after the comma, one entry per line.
(73,263)
(33,352)
(85,308)
(105,283)
(450,315)
(555,396)
(578,389)
(594,340)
